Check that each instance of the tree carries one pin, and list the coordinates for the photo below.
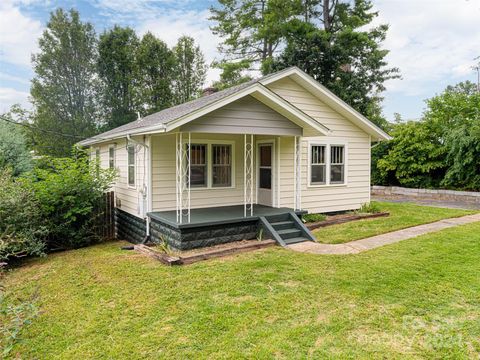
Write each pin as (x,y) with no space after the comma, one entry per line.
(155,65)
(64,89)
(117,71)
(14,151)
(343,54)
(440,150)
(191,70)
(252,30)
(231,74)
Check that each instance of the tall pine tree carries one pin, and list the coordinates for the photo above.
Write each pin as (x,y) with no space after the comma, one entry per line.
(64,88)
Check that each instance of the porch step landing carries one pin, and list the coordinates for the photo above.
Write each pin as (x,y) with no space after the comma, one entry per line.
(286,229)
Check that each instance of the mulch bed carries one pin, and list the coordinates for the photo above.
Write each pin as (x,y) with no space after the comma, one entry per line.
(343,218)
(192,256)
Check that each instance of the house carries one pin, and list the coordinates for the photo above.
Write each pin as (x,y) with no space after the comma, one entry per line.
(254,156)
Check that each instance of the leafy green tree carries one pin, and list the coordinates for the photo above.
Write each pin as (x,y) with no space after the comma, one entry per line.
(191,70)
(416,157)
(156,65)
(117,71)
(440,150)
(344,54)
(14,151)
(64,89)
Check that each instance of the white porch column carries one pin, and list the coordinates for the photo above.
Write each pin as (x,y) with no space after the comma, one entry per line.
(183,177)
(248,148)
(297,181)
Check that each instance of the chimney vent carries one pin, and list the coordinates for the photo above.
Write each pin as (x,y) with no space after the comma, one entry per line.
(209,91)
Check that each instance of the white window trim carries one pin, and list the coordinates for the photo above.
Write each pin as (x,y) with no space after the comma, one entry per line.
(209,144)
(112,146)
(328,144)
(130,186)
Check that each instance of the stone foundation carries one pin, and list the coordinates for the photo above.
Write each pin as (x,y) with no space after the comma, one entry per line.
(132,229)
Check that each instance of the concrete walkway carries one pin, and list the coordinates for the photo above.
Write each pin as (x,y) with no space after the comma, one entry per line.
(357,246)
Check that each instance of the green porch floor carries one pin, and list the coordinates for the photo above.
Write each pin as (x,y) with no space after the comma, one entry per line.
(218,215)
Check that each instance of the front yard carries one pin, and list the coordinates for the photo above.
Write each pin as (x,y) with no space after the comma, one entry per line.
(417,298)
(402,215)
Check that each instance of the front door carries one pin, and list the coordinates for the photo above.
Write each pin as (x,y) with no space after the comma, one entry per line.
(265,174)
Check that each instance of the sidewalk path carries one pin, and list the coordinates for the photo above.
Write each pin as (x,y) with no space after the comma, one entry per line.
(354,247)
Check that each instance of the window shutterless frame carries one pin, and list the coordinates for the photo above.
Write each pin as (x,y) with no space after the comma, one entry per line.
(111,157)
(340,161)
(131,166)
(211,145)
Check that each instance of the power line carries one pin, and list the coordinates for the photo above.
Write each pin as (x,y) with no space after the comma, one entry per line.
(29,126)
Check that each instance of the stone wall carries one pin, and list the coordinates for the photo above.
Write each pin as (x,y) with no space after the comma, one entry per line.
(129,227)
(133,229)
(468,196)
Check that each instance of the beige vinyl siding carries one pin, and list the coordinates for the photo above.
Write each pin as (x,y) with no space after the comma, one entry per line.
(324,198)
(129,198)
(164,170)
(246,115)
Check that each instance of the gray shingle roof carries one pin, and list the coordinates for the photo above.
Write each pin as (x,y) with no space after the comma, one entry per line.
(173,113)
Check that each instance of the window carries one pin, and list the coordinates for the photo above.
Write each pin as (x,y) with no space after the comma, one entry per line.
(131,165)
(327,164)
(221,165)
(211,165)
(111,157)
(318,165)
(337,165)
(97,161)
(198,165)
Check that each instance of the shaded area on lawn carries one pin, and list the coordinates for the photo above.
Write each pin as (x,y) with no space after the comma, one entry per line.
(401,216)
(418,298)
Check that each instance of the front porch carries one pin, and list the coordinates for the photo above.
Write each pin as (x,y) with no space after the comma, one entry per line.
(218,215)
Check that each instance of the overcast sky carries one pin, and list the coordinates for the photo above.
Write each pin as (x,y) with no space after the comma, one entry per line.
(433,42)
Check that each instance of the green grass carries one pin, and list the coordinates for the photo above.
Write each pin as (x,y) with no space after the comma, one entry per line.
(415,299)
(402,215)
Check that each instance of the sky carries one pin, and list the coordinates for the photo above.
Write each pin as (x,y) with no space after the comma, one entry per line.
(432,42)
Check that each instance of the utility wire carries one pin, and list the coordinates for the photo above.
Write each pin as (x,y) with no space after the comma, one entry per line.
(29,126)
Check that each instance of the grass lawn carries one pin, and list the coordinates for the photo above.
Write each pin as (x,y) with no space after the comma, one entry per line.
(417,298)
(402,215)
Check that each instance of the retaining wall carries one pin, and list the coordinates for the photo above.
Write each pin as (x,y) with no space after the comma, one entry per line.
(468,196)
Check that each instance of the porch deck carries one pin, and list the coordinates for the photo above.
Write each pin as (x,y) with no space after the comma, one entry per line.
(218,215)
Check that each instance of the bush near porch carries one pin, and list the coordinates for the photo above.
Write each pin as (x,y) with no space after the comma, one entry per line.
(414,299)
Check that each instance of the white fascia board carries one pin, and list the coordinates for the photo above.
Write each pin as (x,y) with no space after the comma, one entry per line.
(330,99)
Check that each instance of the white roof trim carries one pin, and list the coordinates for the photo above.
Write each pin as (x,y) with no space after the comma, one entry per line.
(330,99)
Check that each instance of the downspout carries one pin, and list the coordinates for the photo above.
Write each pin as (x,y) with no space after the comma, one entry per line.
(145,189)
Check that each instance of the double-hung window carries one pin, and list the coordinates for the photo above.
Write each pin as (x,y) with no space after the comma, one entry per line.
(337,164)
(221,165)
(211,165)
(318,165)
(111,157)
(131,164)
(327,164)
(198,165)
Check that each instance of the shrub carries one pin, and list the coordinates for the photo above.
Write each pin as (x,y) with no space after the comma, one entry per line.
(307,218)
(69,191)
(21,232)
(369,208)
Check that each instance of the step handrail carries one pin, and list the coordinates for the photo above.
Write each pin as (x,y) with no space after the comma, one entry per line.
(301,226)
(270,231)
